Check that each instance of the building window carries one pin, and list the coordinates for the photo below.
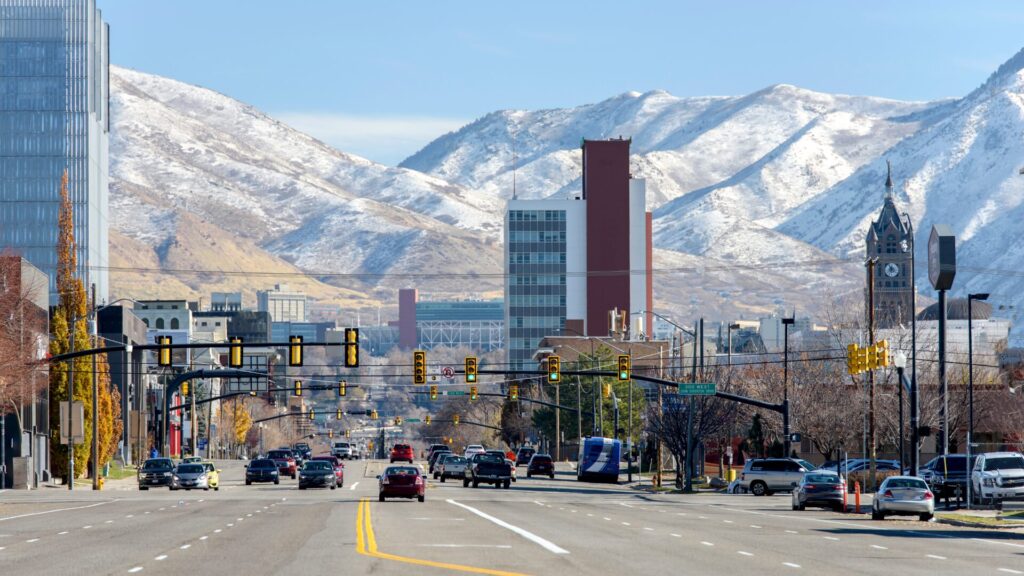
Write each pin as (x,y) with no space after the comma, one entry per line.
(159,323)
(174,324)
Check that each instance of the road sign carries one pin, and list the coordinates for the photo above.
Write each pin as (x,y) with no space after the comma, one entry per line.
(412,419)
(78,417)
(455,393)
(697,388)
(448,372)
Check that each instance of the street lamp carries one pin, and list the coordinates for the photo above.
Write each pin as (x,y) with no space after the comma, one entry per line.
(970,380)
(786,323)
(900,361)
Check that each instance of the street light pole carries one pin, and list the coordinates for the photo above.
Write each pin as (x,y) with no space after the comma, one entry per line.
(900,360)
(970,383)
(786,431)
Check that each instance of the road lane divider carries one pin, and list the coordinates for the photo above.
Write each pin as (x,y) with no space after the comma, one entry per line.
(547,545)
(366,544)
(54,511)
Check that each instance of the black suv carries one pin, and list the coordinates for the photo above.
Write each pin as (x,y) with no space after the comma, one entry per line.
(523,455)
(435,457)
(947,473)
(156,472)
(262,470)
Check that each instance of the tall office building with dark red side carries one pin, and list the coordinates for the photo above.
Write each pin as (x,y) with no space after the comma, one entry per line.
(569,262)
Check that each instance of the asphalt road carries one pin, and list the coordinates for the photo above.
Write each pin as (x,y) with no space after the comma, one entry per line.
(539,526)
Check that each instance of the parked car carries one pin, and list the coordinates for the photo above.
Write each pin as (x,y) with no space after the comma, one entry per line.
(262,470)
(342,450)
(764,476)
(401,482)
(402,452)
(998,476)
(488,469)
(450,466)
(820,488)
(434,458)
(285,460)
(473,450)
(523,456)
(212,474)
(947,474)
(336,463)
(541,464)
(903,496)
(189,476)
(156,472)
(317,473)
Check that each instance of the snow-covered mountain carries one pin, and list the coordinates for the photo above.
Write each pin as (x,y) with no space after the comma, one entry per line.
(760,201)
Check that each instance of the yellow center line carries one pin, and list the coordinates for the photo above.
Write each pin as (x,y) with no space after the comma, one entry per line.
(366,544)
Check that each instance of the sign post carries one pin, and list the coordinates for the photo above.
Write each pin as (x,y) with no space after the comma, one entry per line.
(941,272)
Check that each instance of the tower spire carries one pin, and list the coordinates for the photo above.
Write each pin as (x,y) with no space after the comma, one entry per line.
(888,179)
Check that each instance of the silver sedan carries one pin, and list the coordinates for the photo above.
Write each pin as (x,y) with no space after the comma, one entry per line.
(903,496)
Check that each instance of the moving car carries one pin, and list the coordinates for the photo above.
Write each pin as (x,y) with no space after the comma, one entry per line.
(156,472)
(189,476)
(473,450)
(342,450)
(336,463)
(434,457)
(903,496)
(302,451)
(286,464)
(317,473)
(998,476)
(820,488)
(402,452)
(262,470)
(524,454)
(191,460)
(212,474)
(488,469)
(450,466)
(401,482)
(599,460)
(764,476)
(541,464)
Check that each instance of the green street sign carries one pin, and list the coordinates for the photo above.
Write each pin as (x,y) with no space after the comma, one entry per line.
(455,393)
(696,388)
(412,419)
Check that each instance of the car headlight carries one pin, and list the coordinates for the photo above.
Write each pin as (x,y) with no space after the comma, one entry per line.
(167,473)
(999,481)
(988,481)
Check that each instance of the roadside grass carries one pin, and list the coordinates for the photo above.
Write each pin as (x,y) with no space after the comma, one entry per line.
(1006,519)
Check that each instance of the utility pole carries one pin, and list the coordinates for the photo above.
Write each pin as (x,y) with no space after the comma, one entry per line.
(71,403)
(870,373)
(558,424)
(95,399)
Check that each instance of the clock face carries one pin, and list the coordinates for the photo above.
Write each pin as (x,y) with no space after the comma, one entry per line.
(892,270)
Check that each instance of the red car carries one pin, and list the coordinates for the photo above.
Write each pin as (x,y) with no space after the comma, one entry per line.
(402,452)
(285,461)
(401,482)
(339,468)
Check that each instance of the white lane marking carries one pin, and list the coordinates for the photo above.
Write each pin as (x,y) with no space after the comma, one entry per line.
(590,515)
(649,529)
(680,513)
(607,518)
(790,564)
(504,546)
(162,509)
(217,531)
(702,517)
(936,557)
(791,532)
(538,503)
(2,547)
(1010,571)
(147,511)
(754,526)
(230,525)
(201,499)
(129,515)
(32,540)
(354,486)
(744,553)
(248,515)
(573,511)
(547,545)
(877,547)
(136,569)
(62,533)
(833,538)
(57,510)
(86,527)
(562,509)
(239,519)
(727,521)
(624,504)
(161,557)
(626,524)
(203,537)
(676,535)
(185,546)
(706,543)
(109,522)
(996,542)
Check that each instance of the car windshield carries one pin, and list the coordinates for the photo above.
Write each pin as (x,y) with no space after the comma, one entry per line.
(157,464)
(490,459)
(542,459)
(278,454)
(1004,463)
(317,465)
(807,465)
(209,466)
(906,483)
(263,464)
(401,471)
(401,447)
(821,479)
(454,460)
(190,468)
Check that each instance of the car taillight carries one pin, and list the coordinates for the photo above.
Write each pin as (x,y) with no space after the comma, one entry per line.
(928,495)
(810,486)
(887,494)
(384,480)
(419,480)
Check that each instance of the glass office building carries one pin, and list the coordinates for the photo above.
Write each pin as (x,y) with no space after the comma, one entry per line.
(54,116)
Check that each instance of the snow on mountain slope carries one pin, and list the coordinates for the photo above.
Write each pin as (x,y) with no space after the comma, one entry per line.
(182,150)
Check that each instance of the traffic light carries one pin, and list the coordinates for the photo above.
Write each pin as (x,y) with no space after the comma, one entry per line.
(554,369)
(164,353)
(235,352)
(398,420)
(472,393)
(330,433)
(295,350)
(606,390)
(373,414)
(862,360)
(312,414)
(338,415)
(470,369)
(513,391)
(426,419)
(433,391)
(882,354)
(298,388)
(351,347)
(872,357)
(455,419)
(623,367)
(348,434)
(184,388)
(342,388)
(851,358)
(419,367)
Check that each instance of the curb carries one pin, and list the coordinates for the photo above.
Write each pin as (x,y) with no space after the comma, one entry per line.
(969,524)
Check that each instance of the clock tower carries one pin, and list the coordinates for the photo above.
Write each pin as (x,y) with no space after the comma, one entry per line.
(890,239)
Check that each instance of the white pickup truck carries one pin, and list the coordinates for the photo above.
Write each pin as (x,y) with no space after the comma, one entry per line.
(342,450)
(998,476)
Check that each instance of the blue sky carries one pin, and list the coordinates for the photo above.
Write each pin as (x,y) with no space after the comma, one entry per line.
(381,79)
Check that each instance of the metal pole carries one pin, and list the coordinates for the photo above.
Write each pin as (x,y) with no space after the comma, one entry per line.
(899,375)
(126,412)
(915,439)
(558,424)
(786,444)
(194,420)
(943,396)
(579,414)
(71,398)
(970,391)
(95,399)
(871,375)
(915,449)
